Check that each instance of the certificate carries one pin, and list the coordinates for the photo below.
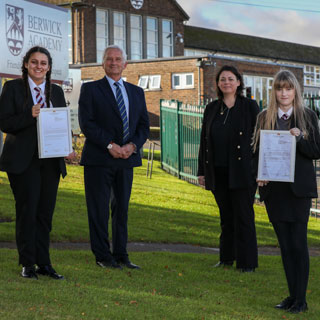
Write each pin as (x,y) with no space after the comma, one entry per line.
(54,133)
(277,155)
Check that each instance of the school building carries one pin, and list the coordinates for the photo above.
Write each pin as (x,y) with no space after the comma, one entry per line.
(170,59)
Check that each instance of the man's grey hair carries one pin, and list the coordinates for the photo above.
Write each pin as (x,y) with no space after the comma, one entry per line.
(114,46)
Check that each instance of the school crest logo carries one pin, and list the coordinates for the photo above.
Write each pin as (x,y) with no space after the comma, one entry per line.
(14,28)
(137,4)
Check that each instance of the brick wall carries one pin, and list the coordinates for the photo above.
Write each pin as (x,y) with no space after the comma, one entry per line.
(162,67)
(166,68)
(245,68)
(84,23)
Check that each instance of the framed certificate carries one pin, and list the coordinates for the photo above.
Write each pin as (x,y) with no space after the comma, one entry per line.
(54,133)
(277,156)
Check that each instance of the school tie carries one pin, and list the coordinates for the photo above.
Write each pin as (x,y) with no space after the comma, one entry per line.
(284,117)
(123,112)
(39,98)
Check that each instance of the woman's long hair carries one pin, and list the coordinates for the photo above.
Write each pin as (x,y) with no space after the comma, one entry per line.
(234,70)
(267,118)
(26,59)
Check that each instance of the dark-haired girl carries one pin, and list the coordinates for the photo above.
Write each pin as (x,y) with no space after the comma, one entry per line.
(34,182)
(225,168)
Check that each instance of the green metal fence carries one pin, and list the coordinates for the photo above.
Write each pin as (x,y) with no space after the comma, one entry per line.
(180,129)
(313,102)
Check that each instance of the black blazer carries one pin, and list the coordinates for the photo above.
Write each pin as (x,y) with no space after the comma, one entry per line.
(101,123)
(240,154)
(305,184)
(21,128)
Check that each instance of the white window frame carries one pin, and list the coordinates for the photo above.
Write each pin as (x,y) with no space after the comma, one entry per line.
(311,76)
(132,29)
(99,53)
(182,81)
(121,42)
(256,85)
(146,82)
(149,42)
(167,35)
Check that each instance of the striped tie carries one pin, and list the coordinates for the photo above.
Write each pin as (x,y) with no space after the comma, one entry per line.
(123,112)
(39,97)
(284,117)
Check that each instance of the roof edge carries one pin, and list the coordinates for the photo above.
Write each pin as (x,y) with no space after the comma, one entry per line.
(181,9)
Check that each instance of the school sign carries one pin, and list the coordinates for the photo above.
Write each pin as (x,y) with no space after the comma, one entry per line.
(28,23)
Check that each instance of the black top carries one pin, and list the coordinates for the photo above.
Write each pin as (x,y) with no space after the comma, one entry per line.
(239,151)
(21,128)
(220,135)
(283,124)
(307,149)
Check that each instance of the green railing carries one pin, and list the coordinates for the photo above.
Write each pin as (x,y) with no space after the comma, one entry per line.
(180,129)
(313,102)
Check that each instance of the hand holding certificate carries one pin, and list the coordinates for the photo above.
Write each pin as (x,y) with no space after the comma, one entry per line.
(54,133)
(277,155)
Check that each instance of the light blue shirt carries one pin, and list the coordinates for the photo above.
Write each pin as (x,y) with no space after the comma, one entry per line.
(123,91)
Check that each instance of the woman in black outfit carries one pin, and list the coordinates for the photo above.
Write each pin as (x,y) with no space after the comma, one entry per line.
(288,204)
(34,182)
(225,168)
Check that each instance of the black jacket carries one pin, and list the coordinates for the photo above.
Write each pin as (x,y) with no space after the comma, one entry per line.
(307,150)
(101,123)
(21,128)
(240,154)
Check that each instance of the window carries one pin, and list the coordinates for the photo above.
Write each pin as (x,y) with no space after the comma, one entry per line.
(102,32)
(167,38)
(70,35)
(150,82)
(258,88)
(182,81)
(136,37)
(152,38)
(312,76)
(119,29)
(193,52)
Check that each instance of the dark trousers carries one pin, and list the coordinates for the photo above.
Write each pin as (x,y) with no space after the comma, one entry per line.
(238,234)
(292,237)
(106,186)
(35,192)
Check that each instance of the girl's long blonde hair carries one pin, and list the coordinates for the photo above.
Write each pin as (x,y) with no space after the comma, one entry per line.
(267,118)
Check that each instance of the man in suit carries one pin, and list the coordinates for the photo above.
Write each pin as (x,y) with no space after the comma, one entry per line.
(114,119)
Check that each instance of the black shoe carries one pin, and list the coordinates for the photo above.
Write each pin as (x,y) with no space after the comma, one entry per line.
(49,271)
(108,264)
(29,272)
(298,307)
(127,263)
(223,264)
(285,304)
(247,270)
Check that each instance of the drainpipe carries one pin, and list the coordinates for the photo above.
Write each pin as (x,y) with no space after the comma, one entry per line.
(199,64)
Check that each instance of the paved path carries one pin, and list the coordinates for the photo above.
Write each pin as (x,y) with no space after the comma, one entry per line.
(164,247)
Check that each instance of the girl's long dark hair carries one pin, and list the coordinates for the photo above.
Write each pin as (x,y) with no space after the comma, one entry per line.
(24,70)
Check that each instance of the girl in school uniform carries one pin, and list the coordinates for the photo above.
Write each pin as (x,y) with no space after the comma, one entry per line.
(288,204)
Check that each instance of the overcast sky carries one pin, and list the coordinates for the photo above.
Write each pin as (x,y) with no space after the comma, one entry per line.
(288,20)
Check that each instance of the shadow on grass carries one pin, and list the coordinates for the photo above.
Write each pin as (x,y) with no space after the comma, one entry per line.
(147,222)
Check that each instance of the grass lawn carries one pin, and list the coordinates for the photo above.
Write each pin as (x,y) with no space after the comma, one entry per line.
(170,286)
(162,209)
